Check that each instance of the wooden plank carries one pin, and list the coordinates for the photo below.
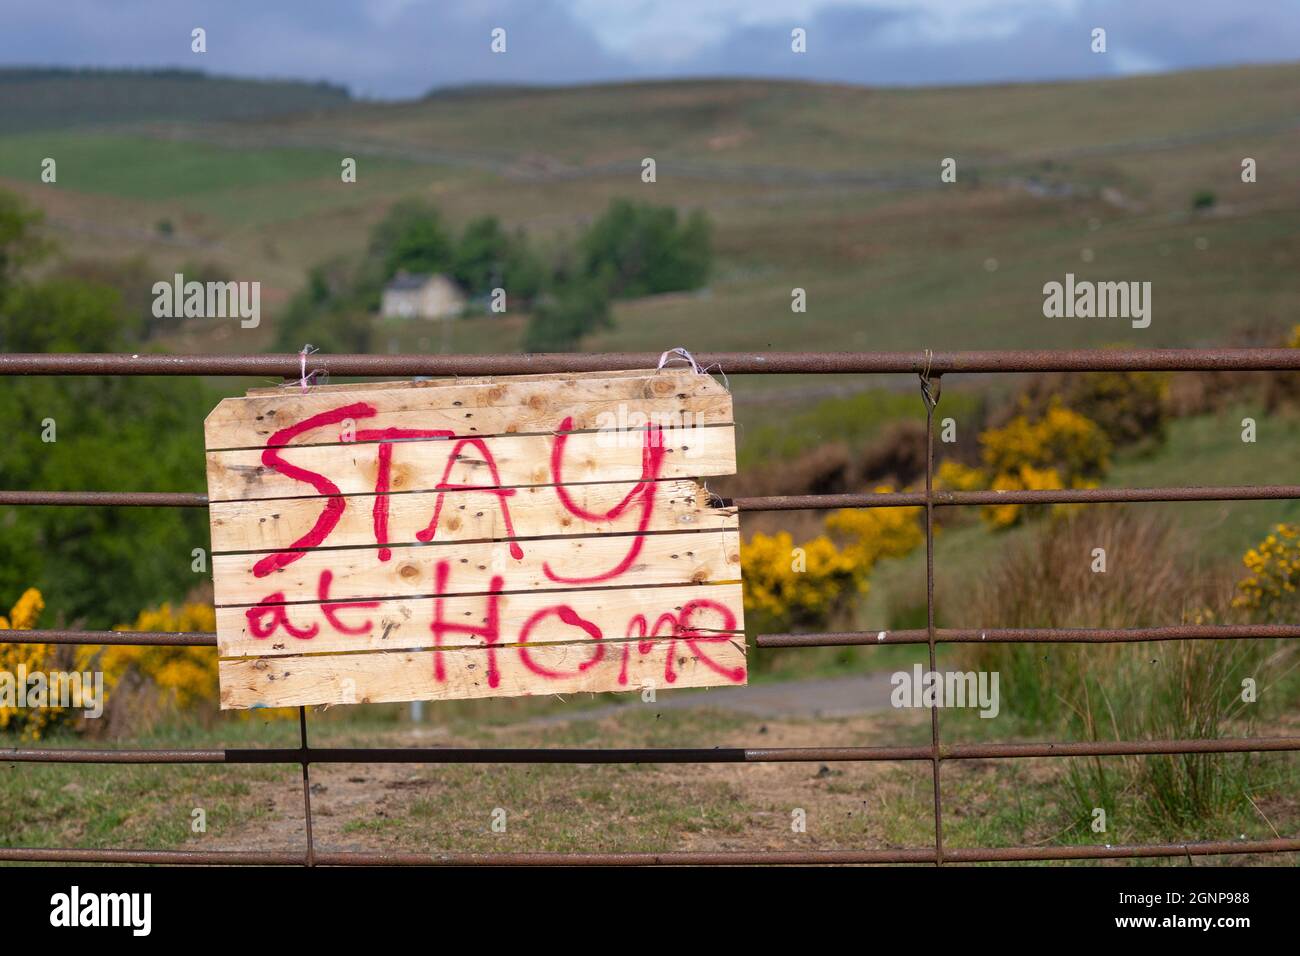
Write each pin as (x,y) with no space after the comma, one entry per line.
(552,563)
(481,672)
(482,408)
(406,623)
(519,460)
(676,505)
(543,377)
(493,536)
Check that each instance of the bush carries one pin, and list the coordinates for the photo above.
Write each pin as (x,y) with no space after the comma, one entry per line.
(636,249)
(412,238)
(487,258)
(814,586)
(30,722)
(1270,591)
(1060,439)
(1130,407)
(876,533)
(146,684)
(559,323)
(785,589)
(1283,388)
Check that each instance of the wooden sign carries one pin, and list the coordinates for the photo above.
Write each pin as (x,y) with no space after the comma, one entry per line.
(484,537)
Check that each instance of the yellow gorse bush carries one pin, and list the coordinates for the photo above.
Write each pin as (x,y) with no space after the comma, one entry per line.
(1274,565)
(798,585)
(877,533)
(811,583)
(1062,449)
(1025,478)
(188,675)
(28,659)
(954,476)
(1063,440)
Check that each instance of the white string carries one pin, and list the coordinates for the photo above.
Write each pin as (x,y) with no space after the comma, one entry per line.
(304,378)
(680,354)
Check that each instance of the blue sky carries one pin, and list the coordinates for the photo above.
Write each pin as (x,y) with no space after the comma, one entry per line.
(400,48)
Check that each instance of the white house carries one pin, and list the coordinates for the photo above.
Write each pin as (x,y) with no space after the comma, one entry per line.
(415,296)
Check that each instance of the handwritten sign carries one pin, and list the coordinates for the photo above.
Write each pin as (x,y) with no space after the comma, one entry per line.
(484,537)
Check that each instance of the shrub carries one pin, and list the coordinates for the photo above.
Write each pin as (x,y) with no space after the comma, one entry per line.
(1269,591)
(898,455)
(637,249)
(31,658)
(559,322)
(144,684)
(1283,388)
(954,476)
(1129,407)
(812,588)
(877,533)
(1060,439)
(786,589)
(1025,478)
(185,676)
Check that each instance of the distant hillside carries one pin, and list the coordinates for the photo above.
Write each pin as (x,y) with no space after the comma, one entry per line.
(832,189)
(36,99)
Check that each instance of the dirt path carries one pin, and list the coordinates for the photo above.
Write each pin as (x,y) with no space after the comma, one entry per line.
(700,806)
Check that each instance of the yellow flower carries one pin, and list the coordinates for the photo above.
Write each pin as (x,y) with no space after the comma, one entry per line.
(1274,566)
(29,658)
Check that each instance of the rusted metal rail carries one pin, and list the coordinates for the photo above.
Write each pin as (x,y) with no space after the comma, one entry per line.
(733,363)
(929,366)
(603,755)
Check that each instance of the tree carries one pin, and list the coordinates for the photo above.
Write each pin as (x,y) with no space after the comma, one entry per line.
(638,249)
(411,238)
(488,257)
(559,321)
(98,565)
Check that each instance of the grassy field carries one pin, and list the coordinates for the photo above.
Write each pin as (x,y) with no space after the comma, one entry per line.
(598,808)
(827,188)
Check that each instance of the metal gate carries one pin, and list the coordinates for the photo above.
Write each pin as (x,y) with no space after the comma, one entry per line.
(929,367)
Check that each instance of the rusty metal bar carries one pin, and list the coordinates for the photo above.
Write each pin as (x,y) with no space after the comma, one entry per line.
(643,755)
(943,635)
(1060,496)
(890,499)
(100,499)
(678,858)
(117,638)
(304,752)
(930,389)
(733,363)
(165,857)
(1035,635)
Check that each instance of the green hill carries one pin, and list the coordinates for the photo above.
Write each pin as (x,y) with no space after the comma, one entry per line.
(39,98)
(832,189)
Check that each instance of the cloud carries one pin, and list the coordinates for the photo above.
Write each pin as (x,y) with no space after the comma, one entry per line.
(398,48)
